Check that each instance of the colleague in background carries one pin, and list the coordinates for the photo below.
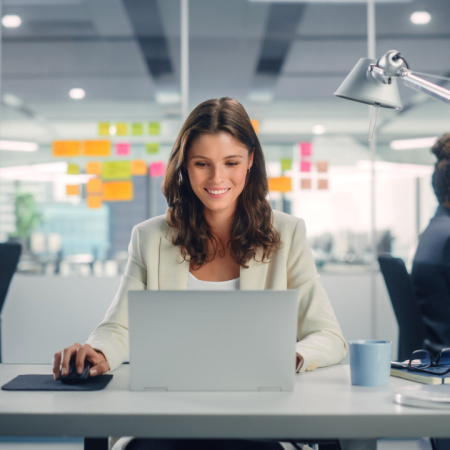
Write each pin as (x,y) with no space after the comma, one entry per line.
(219,233)
(431,265)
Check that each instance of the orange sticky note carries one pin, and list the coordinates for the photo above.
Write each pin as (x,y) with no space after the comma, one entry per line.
(96,148)
(138,167)
(114,191)
(94,168)
(305,183)
(322,166)
(94,201)
(94,185)
(66,148)
(72,189)
(322,184)
(280,184)
(255,124)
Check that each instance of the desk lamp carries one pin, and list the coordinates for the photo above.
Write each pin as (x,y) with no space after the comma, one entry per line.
(375,83)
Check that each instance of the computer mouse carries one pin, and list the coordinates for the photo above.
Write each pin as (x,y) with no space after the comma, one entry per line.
(72,376)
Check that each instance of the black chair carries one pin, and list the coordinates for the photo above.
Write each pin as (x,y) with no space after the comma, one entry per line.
(9,258)
(412,333)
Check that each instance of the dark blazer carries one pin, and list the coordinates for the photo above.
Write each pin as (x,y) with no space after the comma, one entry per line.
(431,276)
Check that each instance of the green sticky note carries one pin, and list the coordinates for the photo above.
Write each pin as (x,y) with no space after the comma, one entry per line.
(286,164)
(103,129)
(153,128)
(152,148)
(137,129)
(116,170)
(73,169)
(121,129)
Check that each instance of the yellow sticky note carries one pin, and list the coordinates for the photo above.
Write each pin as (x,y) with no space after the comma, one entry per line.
(72,189)
(121,129)
(286,164)
(117,191)
(73,169)
(154,128)
(103,128)
(255,124)
(116,170)
(66,148)
(94,185)
(137,129)
(96,148)
(94,168)
(280,184)
(152,148)
(138,167)
(94,201)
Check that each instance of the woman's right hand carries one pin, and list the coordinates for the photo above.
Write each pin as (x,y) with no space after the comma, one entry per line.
(82,352)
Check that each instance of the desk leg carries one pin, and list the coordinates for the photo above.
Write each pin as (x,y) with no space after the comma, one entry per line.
(95,443)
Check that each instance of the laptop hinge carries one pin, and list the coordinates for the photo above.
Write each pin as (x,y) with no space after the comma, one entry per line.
(155,389)
(270,389)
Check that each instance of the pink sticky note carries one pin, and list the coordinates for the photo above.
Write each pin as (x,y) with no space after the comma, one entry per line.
(305,148)
(305,166)
(157,169)
(123,148)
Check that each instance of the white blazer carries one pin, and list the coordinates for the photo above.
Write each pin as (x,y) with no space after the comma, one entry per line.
(154,263)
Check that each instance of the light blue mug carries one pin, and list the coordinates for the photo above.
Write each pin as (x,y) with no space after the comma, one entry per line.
(370,362)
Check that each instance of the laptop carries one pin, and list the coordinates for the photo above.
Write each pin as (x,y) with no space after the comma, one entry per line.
(212,340)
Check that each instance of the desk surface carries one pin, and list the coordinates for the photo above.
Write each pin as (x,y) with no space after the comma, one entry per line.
(323,405)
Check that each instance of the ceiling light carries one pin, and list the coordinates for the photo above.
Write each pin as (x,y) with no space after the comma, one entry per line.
(318,129)
(11,21)
(420,17)
(77,93)
(408,144)
(12,100)
(19,146)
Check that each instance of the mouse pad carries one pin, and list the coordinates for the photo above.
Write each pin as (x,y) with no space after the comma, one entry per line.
(47,383)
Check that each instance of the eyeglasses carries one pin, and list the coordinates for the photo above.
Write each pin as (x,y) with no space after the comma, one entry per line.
(421,360)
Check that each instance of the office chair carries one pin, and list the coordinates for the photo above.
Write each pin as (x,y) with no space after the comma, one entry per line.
(9,258)
(412,333)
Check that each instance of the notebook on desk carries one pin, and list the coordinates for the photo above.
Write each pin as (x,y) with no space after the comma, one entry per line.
(212,340)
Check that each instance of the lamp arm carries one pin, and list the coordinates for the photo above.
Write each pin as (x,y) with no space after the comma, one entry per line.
(419,84)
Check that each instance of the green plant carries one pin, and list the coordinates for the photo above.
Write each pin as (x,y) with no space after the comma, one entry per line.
(28,216)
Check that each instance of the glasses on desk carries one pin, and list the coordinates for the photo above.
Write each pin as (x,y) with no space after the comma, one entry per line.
(422,360)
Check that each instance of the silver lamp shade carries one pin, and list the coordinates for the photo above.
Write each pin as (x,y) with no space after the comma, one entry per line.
(361,86)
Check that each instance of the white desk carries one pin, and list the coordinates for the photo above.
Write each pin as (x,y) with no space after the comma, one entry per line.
(323,405)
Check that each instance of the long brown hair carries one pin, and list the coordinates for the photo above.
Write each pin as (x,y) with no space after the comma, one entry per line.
(441,175)
(252,224)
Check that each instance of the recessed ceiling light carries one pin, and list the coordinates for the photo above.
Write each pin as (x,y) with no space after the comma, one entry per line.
(420,17)
(408,144)
(19,146)
(12,100)
(11,21)
(318,129)
(77,93)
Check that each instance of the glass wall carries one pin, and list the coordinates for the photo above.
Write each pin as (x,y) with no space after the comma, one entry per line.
(91,105)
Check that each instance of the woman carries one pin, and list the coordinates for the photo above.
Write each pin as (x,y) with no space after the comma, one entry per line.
(219,233)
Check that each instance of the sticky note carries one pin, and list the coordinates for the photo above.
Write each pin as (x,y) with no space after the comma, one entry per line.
(154,128)
(255,124)
(305,183)
(103,128)
(66,148)
(322,184)
(73,169)
(305,166)
(94,186)
(137,129)
(157,169)
(123,148)
(322,166)
(286,164)
(117,191)
(138,167)
(96,148)
(72,189)
(305,148)
(94,201)
(152,148)
(116,170)
(280,184)
(121,129)
(94,168)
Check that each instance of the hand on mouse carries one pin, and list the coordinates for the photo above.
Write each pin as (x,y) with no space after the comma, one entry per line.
(61,360)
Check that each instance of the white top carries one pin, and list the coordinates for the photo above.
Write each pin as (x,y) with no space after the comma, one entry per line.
(194,284)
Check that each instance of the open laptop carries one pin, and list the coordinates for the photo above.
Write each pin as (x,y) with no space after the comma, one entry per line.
(212,340)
